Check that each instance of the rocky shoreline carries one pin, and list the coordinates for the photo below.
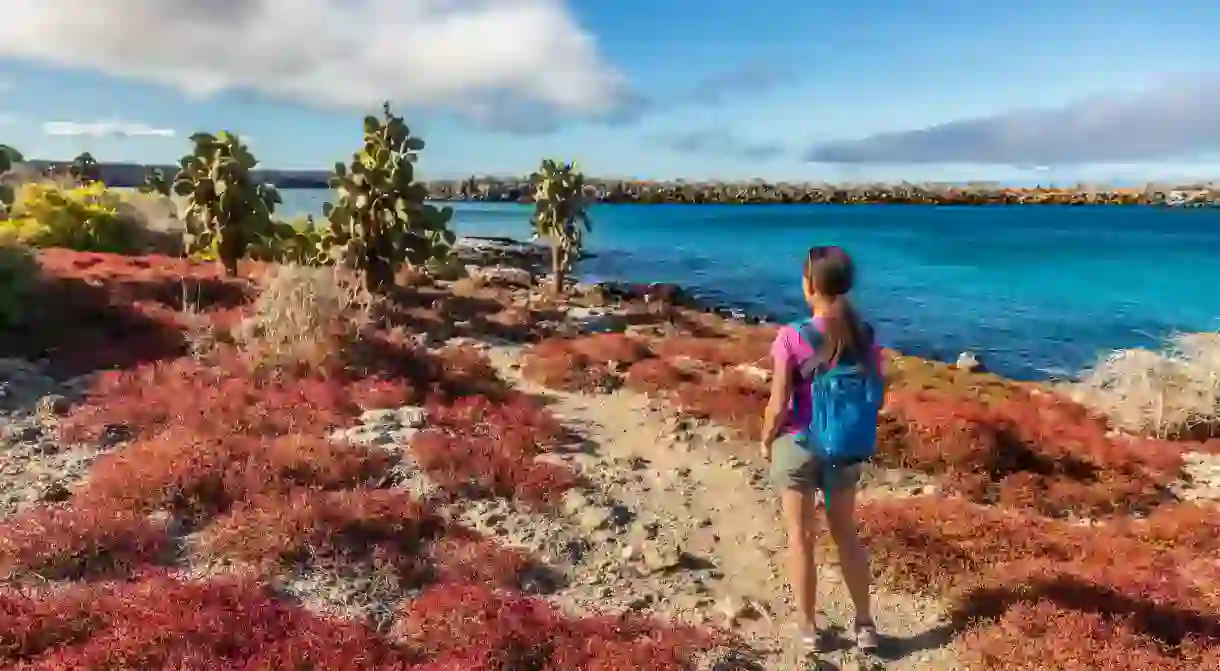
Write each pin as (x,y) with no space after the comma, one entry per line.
(492,252)
(755,192)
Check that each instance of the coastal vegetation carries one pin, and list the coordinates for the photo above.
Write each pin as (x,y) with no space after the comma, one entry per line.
(380,220)
(560,218)
(757,191)
(286,472)
(155,182)
(225,209)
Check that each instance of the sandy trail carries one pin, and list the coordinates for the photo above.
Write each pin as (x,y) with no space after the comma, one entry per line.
(691,497)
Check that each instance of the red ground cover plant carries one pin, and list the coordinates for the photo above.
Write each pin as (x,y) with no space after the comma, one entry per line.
(380,529)
(466,371)
(480,628)
(463,557)
(478,447)
(615,349)
(555,365)
(1029,450)
(1003,572)
(1193,528)
(729,398)
(1044,635)
(655,377)
(224,397)
(197,477)
(63,542)
(97,311)
(716,352)
(155,278)
(160,623)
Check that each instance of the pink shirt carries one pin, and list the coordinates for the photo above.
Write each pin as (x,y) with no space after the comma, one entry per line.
(791,351)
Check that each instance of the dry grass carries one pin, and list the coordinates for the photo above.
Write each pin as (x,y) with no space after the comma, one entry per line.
(1174,393)
(305,315)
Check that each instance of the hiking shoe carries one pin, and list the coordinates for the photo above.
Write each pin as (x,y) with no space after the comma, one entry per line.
(866,638)
(813,640)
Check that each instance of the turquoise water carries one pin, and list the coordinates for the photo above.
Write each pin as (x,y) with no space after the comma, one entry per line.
(1033,290)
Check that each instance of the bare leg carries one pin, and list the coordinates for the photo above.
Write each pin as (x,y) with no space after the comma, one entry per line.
(853,559)
(800,519)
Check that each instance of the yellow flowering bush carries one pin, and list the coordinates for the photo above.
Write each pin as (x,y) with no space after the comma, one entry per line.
(85,218)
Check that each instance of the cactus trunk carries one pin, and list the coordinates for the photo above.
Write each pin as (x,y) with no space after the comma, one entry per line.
(378,274)
(229,253)
(557,268)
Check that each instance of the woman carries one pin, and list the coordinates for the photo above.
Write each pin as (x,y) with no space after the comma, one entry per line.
(795,471)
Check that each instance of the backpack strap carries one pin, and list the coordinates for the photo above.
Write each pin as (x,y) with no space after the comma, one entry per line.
(806,331)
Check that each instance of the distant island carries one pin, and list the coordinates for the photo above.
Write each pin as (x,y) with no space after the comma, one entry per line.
(516,189)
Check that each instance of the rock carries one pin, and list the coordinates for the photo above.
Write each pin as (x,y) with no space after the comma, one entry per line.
(968,361)
(48,447)
(647,530)
(412,417)
(114,434)
(574,501)
(55,492)
(380,417)
(640,602)
(53,405)
(754,372)
(736,610)
(594,518)
(662,557)
(402,436)
(595,320)
(503,275)
(374,435)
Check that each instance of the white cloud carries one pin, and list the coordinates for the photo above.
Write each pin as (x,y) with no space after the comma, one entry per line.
(1179,119)
(463,55)
(104,129)
(6,119)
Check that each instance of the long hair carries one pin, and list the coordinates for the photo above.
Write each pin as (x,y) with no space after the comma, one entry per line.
(829,272)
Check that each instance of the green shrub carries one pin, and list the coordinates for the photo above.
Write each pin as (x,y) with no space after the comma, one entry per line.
(8,156)
(298,242)
(18,282)
(85,218)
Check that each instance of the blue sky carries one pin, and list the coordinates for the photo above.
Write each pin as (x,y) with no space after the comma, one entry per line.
(1041,90)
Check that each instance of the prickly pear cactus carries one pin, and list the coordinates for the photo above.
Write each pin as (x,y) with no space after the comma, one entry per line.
(8,157)
(225,209)
(379,219)
(560,217)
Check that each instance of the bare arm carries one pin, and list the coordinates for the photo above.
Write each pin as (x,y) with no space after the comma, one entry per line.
(778,405)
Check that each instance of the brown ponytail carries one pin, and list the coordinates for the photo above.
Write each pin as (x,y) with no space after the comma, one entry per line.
(830,273)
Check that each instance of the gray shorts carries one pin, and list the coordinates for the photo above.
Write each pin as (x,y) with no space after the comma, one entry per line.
(794,467)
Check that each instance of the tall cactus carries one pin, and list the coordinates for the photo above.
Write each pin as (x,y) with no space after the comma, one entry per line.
(560,217)
(225,209)
(380,219)
(8,156)
(84,169)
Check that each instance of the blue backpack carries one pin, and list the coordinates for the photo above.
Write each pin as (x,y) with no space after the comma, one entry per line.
(847,400)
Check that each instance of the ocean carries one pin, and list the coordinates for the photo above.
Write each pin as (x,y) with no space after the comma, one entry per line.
(1034,291)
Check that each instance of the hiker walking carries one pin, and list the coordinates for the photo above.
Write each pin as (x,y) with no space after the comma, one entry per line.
(819,428)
